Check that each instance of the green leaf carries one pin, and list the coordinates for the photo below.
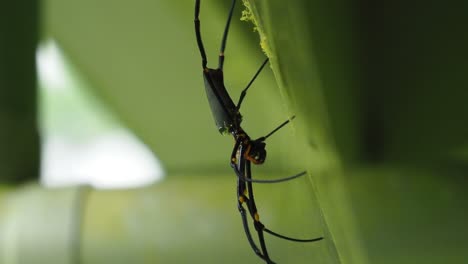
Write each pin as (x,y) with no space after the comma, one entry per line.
(287,38)
(372,84)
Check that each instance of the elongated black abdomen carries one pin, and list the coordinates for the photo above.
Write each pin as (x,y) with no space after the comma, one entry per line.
(222,107)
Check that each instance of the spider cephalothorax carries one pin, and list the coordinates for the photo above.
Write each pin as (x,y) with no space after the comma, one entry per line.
(256,152)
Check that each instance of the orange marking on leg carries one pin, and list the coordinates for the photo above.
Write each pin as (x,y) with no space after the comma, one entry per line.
(241,199)
(257,217)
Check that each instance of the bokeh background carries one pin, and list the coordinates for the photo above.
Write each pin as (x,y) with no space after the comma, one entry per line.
(109,154)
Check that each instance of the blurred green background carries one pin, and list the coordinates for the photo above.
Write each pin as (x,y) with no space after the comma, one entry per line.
(378,89)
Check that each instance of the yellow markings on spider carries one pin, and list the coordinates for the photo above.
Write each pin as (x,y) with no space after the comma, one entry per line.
(257,217)
(241,199)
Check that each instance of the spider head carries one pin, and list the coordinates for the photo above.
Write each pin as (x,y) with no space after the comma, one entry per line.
(256,152)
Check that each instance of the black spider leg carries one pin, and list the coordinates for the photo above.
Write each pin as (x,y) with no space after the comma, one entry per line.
(225,35)
(241,189)
(261,139)
(241,99)
(241,192)
(223,41)
(276,180)
(198,34)
(239,165)
(254,213)
(244,92)
(253,210)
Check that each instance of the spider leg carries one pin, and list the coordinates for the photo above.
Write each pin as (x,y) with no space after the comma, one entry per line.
(198,34)
(253,211)
(241,199)
(276,180)
(242,190)
(276,129)
(244,92)
(225,35)
(254,214)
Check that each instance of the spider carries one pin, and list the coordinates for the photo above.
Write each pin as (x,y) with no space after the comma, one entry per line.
(246,151)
